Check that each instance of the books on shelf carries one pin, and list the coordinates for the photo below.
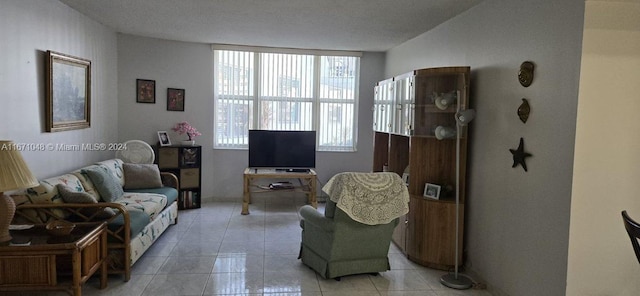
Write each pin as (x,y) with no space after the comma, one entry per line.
(190,199)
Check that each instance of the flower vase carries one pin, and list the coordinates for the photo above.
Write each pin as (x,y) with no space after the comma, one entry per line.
(189,142)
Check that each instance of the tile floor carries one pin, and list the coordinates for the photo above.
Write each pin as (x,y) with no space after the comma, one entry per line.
(216,251)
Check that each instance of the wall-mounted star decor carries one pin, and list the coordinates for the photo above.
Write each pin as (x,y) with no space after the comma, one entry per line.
(519,155)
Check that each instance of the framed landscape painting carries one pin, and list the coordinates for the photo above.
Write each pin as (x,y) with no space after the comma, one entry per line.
(68,92)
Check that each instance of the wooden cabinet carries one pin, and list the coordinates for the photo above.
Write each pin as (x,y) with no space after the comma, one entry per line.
(184,162)
(421,141)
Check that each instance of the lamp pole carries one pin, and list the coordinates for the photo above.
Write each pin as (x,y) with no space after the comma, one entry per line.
(455,280)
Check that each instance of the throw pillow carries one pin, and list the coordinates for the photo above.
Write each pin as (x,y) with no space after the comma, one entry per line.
(106,184)
(141,176)
(71,196)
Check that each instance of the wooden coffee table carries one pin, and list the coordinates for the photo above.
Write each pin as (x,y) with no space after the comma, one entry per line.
(38,265)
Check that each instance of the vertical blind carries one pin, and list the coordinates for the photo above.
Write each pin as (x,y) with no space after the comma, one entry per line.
(285,91)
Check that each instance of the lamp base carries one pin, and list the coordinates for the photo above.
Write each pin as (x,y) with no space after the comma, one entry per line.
(7,210)
(459,282)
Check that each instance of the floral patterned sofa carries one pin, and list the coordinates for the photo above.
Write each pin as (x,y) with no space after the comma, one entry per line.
(135,220)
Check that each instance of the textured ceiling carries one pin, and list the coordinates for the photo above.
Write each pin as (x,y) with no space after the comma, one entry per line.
(364,25)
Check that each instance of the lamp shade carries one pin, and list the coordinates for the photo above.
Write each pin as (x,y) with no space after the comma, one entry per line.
(14,173)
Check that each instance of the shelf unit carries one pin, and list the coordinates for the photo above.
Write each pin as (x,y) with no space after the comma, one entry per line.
(185,162)
(405,121)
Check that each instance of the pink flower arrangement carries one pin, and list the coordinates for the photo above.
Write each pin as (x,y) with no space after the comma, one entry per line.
(185,128)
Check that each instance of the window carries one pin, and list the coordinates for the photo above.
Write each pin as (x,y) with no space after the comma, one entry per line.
(288,90)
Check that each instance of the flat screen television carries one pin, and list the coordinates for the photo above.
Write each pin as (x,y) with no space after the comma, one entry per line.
(286,150)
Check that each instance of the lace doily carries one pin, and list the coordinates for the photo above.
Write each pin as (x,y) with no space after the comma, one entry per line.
(369,198)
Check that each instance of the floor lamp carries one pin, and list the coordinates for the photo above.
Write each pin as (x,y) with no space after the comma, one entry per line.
(455,280)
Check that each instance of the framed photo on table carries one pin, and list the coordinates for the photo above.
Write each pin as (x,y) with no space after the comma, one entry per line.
(163,137)
(146,91)
(68,92)
(431,191)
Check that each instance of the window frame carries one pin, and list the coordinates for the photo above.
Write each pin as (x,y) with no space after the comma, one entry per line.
(254,99)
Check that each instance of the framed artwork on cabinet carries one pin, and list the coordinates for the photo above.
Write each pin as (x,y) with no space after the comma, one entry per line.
(431,191)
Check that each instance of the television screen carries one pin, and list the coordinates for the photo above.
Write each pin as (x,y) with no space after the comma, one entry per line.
(282,149)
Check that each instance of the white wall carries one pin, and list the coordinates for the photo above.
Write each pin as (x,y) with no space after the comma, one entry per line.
(190,66)
(28,28)
(517,222)
(605,180)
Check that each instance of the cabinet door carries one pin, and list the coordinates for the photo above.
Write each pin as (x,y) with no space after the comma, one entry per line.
(384,106)
(404,104)
(399,236)
(431,233)
(434,85)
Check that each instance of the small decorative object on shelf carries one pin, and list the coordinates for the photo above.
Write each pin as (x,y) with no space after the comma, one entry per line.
(523,110)
(519,155)
(185,128)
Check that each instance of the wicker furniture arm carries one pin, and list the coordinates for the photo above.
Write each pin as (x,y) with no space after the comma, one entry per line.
(169,180)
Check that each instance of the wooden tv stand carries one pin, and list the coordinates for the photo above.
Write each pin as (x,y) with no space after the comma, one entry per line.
(306,184)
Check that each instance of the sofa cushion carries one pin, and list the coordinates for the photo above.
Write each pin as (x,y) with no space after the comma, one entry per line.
(30,216)
(149,203)
(169,192)
(109,188)
(138,221)
(114,167)
(140,176)
(46,192)
(81,174)
(71,196)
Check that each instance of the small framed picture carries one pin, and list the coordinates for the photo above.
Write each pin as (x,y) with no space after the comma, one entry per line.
(175,99)
(163,137)
(145,91)
(405,178)
(431,191)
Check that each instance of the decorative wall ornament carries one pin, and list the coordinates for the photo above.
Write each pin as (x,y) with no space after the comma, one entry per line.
(519,155)
(523,110)
(525,75)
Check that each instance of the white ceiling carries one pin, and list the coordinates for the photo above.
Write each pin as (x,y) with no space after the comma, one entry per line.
(363,25)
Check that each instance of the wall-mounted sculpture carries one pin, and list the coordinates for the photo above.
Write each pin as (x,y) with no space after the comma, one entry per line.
(525,75)
(519,156)
(523,110)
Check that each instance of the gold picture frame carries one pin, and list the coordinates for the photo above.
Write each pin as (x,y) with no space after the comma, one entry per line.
(68,92)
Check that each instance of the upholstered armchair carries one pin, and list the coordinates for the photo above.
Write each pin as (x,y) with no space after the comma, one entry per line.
(354,233)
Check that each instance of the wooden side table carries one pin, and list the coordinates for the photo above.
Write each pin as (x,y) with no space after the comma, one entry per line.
(36,266)
(307,184)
